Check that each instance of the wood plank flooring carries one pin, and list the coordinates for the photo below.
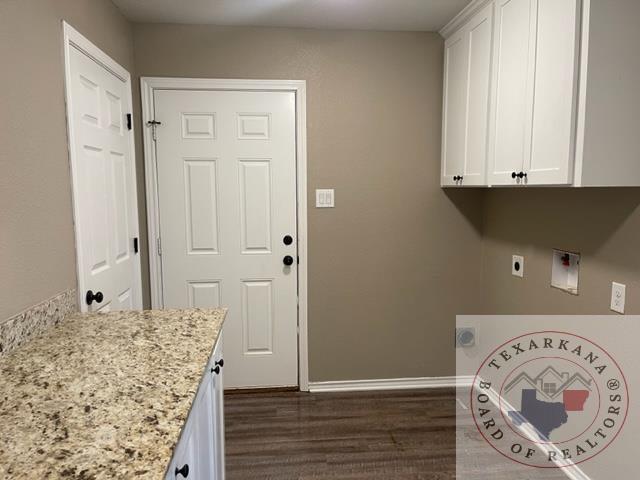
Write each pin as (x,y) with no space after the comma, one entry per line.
(402,435)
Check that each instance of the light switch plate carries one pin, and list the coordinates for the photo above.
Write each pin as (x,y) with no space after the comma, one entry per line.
(618,293)
(517,266)
(325,198)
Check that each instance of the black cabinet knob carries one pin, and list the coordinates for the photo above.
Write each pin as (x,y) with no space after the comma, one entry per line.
(216,370)
(184,471)
(220,362)
(287,240)
(90,297)
(288,260)
(514,174)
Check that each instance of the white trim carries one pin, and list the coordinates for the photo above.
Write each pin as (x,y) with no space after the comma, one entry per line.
(463,17)
(74,39)
(147,86)
(392,384)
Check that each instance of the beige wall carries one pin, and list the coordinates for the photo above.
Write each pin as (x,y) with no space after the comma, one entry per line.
(396,259)
(603,224)
(37,256)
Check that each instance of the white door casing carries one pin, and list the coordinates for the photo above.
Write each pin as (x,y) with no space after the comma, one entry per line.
(234,201)
(98,96)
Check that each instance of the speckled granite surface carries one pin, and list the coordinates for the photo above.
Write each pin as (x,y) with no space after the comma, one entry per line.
(103,396)
(21,328)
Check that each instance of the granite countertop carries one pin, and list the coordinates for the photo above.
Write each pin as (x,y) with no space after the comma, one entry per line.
(103,395)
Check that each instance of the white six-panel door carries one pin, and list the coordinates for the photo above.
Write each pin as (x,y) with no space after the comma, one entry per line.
(104,191)
(226,166)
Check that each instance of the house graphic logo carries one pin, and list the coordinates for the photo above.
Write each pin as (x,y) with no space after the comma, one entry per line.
(549,399)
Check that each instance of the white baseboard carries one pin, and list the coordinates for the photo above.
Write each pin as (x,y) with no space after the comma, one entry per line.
(391,384)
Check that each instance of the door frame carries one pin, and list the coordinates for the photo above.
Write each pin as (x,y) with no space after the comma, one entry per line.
(147,86)
(74,39)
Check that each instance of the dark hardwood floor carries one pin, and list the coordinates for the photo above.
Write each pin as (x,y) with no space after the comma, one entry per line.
(398,435)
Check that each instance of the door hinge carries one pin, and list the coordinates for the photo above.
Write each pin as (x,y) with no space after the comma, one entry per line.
(135,245)
(128,121)
(153,124)
(159,246)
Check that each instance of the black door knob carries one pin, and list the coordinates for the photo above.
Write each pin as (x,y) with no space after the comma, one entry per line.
(287,240)
(216,370)
(514,174)
(521,174)
(220,362)
(90,297)
(288,260)
(184,471)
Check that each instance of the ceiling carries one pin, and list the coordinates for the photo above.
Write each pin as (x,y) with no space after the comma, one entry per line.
(422,15)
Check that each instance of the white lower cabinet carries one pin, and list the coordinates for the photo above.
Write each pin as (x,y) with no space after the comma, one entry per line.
(199,454)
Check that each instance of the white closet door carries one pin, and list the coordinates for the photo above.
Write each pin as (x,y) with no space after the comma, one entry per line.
(552,142)
(510,130)
(104,186)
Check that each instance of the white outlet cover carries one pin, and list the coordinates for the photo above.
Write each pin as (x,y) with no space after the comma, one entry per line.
(618,293)
(517,266)
(325,198)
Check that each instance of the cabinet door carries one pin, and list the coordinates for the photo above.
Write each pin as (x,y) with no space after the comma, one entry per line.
(203,414)
(466,102)
(511,112)
(218,415)
(554,100)
(480,31)
(183,463)
(454,121)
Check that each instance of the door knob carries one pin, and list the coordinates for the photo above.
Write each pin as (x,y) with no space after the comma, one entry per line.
(514,174)
(287,240)
(90,297)
(288,260)
(216,370)
(220,362)
(184,471)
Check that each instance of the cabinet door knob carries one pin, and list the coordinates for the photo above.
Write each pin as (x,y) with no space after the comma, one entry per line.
(184,471)
(90,297)
(216,370)
(220,362)
(514,174)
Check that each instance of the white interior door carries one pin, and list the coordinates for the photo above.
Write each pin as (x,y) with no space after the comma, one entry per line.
(226,163)
(104,186)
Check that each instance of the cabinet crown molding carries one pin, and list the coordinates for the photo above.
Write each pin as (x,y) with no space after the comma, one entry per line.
(463,17)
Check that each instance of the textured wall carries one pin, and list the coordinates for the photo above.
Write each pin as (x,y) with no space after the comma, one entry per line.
(398,257)
(37,255)
(603,224)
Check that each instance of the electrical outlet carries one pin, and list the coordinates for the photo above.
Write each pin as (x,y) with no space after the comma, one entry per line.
(517,266)
(618,293)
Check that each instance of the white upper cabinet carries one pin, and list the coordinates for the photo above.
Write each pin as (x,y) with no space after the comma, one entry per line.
(555,70)
(534,78)
(561,97)
(467,75)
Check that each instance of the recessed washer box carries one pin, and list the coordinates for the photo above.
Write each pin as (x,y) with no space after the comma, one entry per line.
(565,271)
